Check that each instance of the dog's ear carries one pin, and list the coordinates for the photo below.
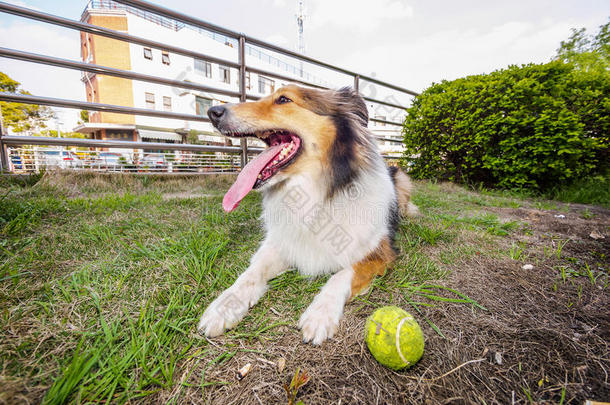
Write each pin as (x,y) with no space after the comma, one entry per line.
(355,103)
(350,114)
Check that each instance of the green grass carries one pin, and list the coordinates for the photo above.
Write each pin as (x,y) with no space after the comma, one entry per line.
(103,279)
(594,190)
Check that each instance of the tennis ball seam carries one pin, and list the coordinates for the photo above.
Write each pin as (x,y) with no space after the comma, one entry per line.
(398,329)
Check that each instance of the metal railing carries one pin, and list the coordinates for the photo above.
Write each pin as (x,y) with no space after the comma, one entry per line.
(43,153)
(34,159)
(166,15)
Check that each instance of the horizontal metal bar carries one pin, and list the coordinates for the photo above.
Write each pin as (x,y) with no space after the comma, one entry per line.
(60,102)
(98,69)
(282,77)
(385,103)
(296,55)
(177,174)
(97,30)
(398,124)
(387,139)
(388,85)
(147,6)
(181,17)
(96,143)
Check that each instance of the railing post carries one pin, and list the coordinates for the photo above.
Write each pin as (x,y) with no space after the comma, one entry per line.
(242,93)
(3,149)
(357,83)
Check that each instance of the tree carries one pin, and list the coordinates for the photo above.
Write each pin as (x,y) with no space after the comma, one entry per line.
(53,134)
(21,117)
(587,52)
(84,116)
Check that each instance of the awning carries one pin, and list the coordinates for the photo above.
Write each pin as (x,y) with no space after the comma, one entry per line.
(90,127)
(168,136)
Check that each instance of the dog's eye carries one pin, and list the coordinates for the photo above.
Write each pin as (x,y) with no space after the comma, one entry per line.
(282,100)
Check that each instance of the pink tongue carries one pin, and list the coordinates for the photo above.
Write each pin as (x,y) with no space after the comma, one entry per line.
(247,177)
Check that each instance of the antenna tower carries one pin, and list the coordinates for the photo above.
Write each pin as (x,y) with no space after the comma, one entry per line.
(300,19)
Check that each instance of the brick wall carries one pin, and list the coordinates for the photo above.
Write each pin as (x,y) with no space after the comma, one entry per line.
(112,53)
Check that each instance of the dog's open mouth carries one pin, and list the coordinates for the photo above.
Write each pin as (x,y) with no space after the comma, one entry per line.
(290,144)
(283,148)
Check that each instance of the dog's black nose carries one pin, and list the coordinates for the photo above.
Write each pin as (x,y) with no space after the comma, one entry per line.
(215,113)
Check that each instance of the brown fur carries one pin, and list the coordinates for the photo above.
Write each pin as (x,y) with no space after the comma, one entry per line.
(403,186)
(375,264)
(317,132)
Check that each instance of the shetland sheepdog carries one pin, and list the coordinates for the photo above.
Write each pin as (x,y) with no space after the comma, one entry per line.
(330,203)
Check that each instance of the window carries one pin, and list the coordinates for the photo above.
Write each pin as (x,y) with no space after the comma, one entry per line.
(203,67)
(265,85)
(148,53)
(165,57)
(380,117)
(225,74)
(202,105)
(150,100)
(89,50)
(118,135)
(167,103)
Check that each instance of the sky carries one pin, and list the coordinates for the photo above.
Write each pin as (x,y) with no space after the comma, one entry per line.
(409,43)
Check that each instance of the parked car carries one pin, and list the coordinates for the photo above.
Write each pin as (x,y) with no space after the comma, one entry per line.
(110,160)
(17,162)
(64,159)
(154,162)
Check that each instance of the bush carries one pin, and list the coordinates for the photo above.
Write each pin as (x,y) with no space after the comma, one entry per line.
(535,127)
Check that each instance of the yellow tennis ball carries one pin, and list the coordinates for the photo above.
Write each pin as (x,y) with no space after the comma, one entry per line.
(394,337)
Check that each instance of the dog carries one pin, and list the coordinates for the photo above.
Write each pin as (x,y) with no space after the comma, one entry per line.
(330,203)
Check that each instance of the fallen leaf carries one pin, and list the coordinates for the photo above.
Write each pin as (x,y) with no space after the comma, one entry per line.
(281,363)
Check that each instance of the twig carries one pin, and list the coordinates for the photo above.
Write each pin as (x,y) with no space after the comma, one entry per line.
(446,374)
(265,361)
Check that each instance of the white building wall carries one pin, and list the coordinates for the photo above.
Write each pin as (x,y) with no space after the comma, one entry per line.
(183,68)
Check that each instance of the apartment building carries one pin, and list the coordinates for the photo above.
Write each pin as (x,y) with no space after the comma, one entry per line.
(113,90)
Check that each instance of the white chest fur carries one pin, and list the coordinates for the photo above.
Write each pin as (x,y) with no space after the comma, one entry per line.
(317,235)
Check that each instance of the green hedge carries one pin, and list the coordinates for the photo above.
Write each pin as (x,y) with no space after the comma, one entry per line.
(535,126)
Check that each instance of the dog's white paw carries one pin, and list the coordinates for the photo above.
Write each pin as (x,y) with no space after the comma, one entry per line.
(223,313)
(320,320)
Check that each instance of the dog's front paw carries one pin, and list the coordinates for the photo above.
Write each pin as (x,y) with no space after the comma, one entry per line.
(224,313)
(320,320)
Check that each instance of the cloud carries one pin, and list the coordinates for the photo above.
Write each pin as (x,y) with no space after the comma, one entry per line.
(364,15)
(454,53)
